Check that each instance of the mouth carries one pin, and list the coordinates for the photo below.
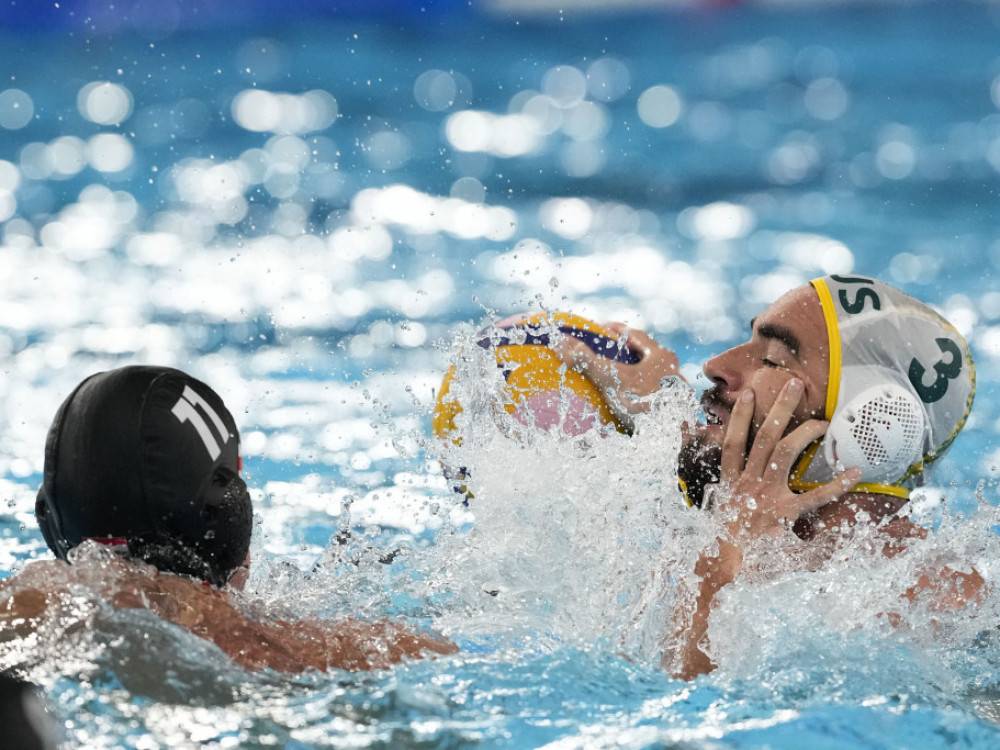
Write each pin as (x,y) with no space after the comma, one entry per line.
(714,415)
(715,411)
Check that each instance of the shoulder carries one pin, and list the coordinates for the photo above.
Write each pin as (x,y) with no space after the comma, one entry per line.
(947,589)
(26,596)
(946,586)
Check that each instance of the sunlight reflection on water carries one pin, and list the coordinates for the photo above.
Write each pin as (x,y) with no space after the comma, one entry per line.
(314,218)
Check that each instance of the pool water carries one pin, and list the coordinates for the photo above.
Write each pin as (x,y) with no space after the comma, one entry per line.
(314,208)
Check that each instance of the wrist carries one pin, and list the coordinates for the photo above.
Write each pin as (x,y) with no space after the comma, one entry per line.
(720,567)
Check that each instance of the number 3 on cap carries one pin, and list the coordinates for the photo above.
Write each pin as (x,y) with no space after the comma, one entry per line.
(945,371)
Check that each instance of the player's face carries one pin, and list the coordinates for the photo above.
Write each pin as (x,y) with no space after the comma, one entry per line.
(788,340)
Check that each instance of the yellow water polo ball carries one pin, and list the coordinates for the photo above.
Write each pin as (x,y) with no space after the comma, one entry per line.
(538,390)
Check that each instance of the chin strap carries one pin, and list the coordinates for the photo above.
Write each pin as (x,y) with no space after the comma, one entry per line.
(797,484)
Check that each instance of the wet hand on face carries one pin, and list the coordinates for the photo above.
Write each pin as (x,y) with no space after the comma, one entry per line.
(768,402)
(761,474)
(788,340)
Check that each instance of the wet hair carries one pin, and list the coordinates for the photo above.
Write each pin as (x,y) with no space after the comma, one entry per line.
(147,457)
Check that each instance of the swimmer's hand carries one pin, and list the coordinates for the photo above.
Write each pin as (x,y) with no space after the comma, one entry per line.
(361,645)
(625,386)
(752,501)
(754,497)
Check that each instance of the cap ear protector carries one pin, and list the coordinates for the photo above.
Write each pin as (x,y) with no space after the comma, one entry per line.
(879,432)
(147,457)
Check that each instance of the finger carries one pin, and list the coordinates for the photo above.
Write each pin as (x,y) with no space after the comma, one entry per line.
(658,359)
(635,340)
(656,362)
(790,447)
(815,499)
(734,444)
(774,426)
(616,329)
(580,357)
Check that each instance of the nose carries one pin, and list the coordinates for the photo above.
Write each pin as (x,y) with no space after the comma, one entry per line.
(724,369)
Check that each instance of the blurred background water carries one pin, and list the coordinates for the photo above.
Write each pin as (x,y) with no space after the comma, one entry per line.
(307,203)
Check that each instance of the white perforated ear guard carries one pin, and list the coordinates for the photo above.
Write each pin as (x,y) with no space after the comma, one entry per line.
(880,432)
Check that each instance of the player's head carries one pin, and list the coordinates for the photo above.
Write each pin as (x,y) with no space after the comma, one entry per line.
(902,382)
(147,459)
(894,379)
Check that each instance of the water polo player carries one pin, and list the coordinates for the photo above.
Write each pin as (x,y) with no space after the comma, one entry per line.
(147,459)
(845,393)
(142,501)
(893,378)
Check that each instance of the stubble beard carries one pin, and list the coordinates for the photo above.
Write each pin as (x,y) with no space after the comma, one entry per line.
(699,462)
(698,465)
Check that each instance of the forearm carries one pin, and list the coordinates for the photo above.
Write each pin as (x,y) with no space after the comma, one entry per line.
(715,570)
(359,645)
(353,645)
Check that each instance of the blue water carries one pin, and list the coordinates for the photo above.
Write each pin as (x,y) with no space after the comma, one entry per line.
(325,302)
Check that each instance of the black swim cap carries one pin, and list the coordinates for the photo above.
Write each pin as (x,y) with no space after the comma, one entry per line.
(148,456)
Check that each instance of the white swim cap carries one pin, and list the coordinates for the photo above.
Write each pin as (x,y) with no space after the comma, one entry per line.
(901,385)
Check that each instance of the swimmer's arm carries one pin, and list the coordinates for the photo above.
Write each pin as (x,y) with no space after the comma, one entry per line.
(945,590)
(714,571)
(756,502)
(627,385)
(948,590)
(361,645)
(353,645)
(26,605)
(938,588)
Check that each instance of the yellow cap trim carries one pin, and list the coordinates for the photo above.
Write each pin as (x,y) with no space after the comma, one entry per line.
(795,481)
(882,489)
(873,488)
(682,485)
(833,337)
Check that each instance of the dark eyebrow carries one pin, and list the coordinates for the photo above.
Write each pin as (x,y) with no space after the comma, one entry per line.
(779,333)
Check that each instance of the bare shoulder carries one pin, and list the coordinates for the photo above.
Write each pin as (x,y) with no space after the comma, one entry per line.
(945,587)
(26,597)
